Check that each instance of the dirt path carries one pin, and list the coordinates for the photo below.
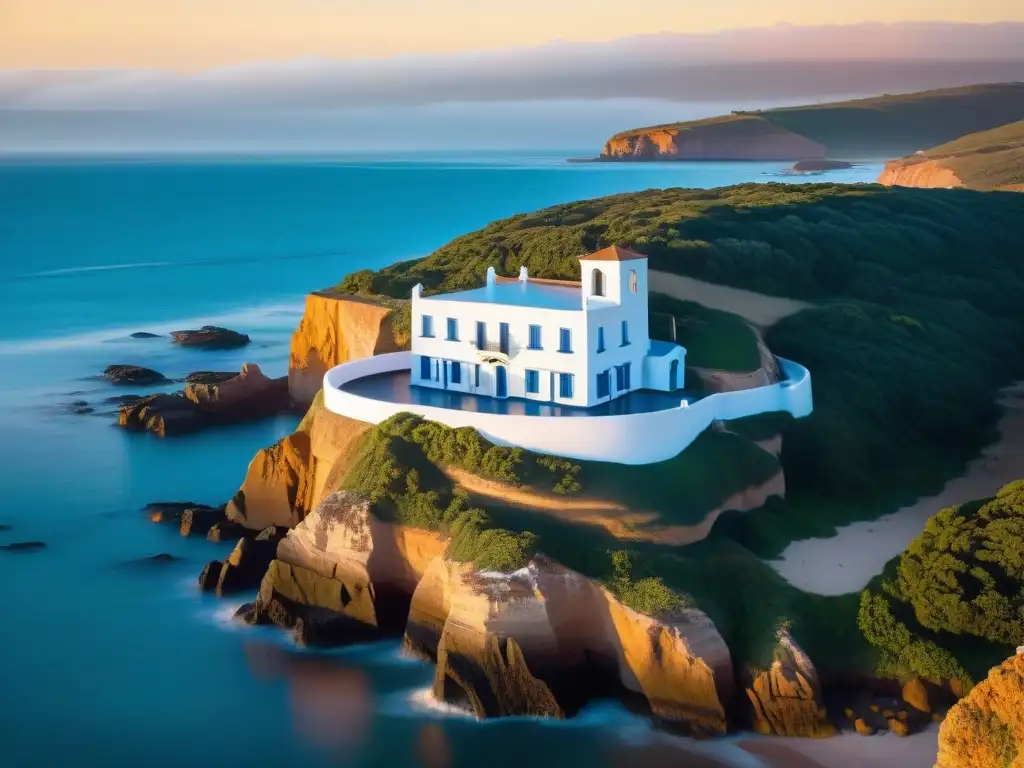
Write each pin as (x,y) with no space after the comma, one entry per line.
(618,520)
(847,562)
(756,308)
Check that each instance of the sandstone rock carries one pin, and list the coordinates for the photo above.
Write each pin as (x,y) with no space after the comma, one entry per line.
(335,329)
(225,530)
(198,520)
(133,374)
(210,337)
(986,729)
(918,171)
(899,727)
(786,698)
(915,693)
(23,547)
(163,415)
(168,511)
(246,396)
(248,563)
(209,377)
(210,575)
(287,480)
(545,639)
(863,728)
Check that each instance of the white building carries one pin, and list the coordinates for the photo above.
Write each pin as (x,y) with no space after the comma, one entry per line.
(577,344)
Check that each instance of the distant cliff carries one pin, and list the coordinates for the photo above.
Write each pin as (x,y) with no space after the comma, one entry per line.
(987,160)
(881,127)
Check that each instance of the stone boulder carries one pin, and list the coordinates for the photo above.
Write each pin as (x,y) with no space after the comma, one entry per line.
(133,374)
(210,337)
(786,697)
(209,377)
(163,415)
(986,728)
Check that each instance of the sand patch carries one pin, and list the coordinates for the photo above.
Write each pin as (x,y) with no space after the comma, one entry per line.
(848,561)
(847,750)
(618,520)
(756,308)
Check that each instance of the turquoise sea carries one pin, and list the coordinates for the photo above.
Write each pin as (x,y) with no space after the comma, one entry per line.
(107,663)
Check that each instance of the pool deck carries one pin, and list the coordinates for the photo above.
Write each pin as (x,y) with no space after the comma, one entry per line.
(396,387)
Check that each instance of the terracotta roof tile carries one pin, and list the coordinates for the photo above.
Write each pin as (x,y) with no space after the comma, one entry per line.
(613,253)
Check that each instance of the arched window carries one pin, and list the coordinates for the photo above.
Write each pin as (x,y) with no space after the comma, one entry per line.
(598,283)
(632,281)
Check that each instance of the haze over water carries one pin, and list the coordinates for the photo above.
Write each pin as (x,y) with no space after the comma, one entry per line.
(109,664)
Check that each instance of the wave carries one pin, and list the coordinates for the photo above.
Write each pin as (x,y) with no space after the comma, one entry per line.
(250,317)
(99,268)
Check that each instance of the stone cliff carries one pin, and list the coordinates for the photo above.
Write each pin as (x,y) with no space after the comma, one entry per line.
(918,172)
(334,329)
(986,729)
(733,138)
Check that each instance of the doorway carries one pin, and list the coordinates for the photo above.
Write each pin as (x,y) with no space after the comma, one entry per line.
(501,381)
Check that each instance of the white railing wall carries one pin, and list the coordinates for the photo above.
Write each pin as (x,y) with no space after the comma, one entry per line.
(639,438)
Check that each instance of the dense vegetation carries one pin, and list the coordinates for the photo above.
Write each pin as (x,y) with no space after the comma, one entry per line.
(713,339)
(918,320)
(987,160)
(952,604)
(884,126)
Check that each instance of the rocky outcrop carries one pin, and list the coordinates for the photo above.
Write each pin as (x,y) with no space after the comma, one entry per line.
(287,480)
(333,330)
(133,374)
(543,640)
(785,697)
(247,396)
(210,337)
(245,566)
(342,575)
(731,138)
(209,377)
(986,729)
(807,166)
(918,171)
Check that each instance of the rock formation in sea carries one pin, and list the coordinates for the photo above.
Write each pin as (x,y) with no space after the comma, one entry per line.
(133,374)
(986,729)
(210,337)
(805,166)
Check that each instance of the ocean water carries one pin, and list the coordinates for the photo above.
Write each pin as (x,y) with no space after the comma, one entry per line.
(105,662)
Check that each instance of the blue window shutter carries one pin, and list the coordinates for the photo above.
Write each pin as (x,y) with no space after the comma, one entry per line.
(532,382)
(456,372)
(425,368)
(564,340)
(476,378)
(625,375)
(602,384)
(565,385)
(535,337)
(625,333)
(453,329)
(600,338)
(427,328)
(481,335)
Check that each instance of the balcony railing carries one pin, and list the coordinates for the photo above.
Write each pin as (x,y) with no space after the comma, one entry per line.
(496,349)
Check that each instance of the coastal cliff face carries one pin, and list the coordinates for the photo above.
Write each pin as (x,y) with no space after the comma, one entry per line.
(918,172)
(986,729)
(333,330)
(749,138)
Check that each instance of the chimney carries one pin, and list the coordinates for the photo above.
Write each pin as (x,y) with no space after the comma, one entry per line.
(417,291)
(523,274)
(490,277)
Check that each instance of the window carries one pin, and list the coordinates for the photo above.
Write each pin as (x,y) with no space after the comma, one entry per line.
(625,376)
(456,372)
(600,338)
(632,281)
(620,378)
(503,338)
(427,327)
(565,385)
(625,333)
(532,382)
(476,376)
(425,368)
(481,335)
(453,329)
(602,384)
(564,340)
(535,337)
(598,289)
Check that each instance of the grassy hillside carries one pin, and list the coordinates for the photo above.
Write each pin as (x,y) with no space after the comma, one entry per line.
(882,127)
(987,160)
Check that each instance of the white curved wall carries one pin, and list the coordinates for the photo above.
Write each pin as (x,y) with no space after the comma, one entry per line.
(640,438)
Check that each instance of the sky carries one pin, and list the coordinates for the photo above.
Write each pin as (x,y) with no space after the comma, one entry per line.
(194,35)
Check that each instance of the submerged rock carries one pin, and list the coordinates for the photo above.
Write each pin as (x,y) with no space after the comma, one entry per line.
(4,527)
(144,335)
(160,559)
(209,377)
(23,546)
(821,165)
(210,337)
(133,374)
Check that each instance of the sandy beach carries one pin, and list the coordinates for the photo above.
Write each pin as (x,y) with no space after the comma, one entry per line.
(848,561)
